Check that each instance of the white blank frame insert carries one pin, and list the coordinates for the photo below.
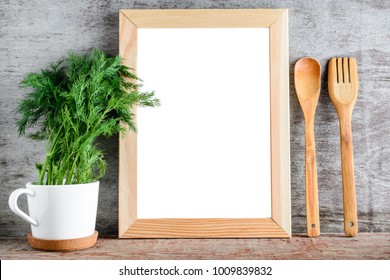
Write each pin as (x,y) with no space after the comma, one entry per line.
(206,149)
(213,159)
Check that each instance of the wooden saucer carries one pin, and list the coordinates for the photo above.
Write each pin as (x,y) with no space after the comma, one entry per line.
(62,245)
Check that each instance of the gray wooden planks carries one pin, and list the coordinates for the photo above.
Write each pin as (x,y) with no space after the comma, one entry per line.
(34,33)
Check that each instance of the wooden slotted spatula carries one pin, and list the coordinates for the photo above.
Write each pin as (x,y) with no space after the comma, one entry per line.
(307,79)
(343,89)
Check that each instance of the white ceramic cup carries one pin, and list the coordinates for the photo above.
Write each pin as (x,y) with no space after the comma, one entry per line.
(59,212)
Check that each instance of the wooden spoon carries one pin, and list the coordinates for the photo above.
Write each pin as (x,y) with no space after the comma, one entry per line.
(343,88)
(307,74)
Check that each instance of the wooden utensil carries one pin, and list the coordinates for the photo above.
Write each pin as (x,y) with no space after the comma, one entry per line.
(343,88)
(307,77)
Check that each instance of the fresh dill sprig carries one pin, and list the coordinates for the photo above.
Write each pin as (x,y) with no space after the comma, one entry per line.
(71,104)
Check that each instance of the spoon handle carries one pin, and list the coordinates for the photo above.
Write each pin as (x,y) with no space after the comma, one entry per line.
(348,177)
(312,208)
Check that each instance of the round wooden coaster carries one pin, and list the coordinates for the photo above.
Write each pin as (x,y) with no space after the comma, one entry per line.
(62,245)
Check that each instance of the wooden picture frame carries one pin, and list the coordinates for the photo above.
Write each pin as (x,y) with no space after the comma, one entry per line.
(279,224)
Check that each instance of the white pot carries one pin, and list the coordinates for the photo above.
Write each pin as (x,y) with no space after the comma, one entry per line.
(59,212)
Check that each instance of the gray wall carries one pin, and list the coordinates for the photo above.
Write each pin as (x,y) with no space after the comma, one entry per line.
(34,33)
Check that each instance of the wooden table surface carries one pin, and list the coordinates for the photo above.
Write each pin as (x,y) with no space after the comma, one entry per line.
(327,246)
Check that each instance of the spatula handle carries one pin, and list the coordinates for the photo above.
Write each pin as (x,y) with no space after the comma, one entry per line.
(312,208)
(348,177)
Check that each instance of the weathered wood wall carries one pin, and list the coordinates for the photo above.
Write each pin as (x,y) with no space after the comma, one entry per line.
(34,33)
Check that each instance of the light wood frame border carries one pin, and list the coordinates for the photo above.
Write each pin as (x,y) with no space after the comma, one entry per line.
(279,225)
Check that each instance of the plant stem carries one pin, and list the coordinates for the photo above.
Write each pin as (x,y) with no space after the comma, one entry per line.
(48,177)
(71,171)
(42,172)
(47,168)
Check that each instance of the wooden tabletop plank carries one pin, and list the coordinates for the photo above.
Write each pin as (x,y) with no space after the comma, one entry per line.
(327,246)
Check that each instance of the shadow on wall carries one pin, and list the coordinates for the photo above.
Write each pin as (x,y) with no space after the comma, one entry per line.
(107,216)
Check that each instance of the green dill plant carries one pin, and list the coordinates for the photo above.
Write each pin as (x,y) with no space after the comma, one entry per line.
(71,104)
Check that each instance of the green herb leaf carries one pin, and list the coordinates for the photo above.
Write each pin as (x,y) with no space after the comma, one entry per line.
(72,103)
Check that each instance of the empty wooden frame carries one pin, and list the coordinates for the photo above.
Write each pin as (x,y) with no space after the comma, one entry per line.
(278,225)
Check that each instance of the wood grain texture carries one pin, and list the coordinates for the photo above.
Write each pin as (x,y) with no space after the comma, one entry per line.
(204,228)
(307,78)
(280,122)
(200,18)
(127,204)
(49,30)
(312,205)
(277,21)
(343,90)
(348,180)
(325,247)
